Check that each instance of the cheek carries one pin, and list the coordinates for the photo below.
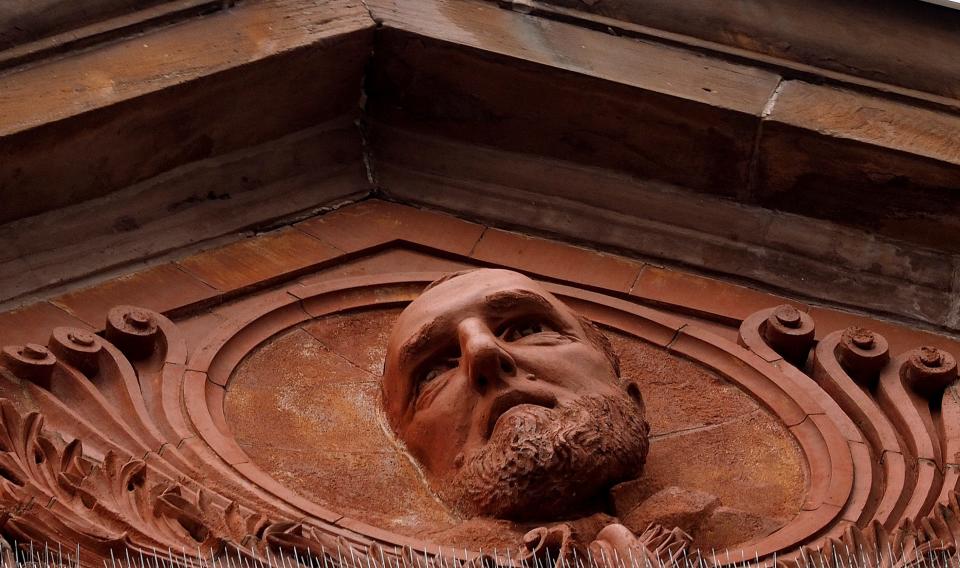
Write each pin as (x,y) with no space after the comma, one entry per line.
(438,431)
(573,365)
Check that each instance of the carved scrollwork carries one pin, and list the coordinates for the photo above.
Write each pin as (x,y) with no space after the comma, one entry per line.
(130,492)
(123,471)
(901,415)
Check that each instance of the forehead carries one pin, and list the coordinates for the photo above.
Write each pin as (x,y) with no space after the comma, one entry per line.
(476,291)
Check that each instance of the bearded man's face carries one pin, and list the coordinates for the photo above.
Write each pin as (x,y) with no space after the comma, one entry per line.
(510,401)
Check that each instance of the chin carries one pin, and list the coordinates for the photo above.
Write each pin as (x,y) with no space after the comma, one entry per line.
(550,463)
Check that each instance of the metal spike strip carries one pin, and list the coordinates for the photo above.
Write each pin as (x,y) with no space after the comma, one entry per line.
(839,556)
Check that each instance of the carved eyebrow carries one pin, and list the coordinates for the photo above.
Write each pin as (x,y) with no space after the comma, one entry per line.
(425,335)
(511,299)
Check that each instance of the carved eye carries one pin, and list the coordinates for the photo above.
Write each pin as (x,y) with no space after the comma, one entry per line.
(433,373)
(435,369)
(523,329)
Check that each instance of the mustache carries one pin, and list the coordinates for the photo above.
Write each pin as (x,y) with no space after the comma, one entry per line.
(547,462)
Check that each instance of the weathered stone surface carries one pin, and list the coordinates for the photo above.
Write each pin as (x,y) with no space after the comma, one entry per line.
(129,110)
(161,288)
(27,20)
(842,187)
(727,524)
(650,110)
(671,507)
(186,207)
(912,44)
(806,257)
(884,166)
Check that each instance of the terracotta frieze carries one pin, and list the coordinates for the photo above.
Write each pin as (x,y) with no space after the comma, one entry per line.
(129,441)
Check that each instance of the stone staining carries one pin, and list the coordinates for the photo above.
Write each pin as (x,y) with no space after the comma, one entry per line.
(118,442)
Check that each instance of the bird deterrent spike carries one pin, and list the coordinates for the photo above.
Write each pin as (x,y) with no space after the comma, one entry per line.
(591,563)
(296,557)
(323,552)
(854,554)
(633,561)
(383,560)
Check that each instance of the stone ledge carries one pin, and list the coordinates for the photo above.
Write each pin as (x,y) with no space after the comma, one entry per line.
(912,44)
(800,256)
(505,80)
(39,31)
(370,236)
(97,121)
(189,206)
(488,76)
(878,164)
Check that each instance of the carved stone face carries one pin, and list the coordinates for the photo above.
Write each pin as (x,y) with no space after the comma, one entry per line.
(510,400)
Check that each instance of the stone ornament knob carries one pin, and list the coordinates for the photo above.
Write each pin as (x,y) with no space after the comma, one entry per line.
(928,371)
(789,332)
(32,362)
(862,353)
(133,330)
(77,347)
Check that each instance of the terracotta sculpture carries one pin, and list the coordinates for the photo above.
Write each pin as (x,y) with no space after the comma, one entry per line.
(118,441)
(513,403)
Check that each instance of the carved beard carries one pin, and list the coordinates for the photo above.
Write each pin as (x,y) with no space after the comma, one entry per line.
(546,463)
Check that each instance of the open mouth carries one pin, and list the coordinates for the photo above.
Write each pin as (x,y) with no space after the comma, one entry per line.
(510,400)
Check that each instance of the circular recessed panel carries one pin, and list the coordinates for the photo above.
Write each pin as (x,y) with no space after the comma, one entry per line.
(292,404)
(304,406)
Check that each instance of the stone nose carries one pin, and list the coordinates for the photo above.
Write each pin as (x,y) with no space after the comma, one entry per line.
(487,363)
